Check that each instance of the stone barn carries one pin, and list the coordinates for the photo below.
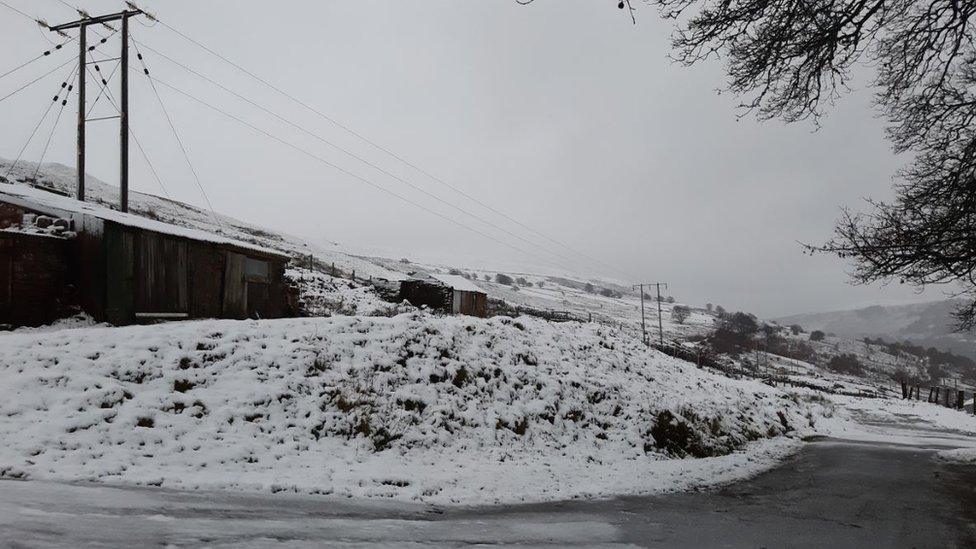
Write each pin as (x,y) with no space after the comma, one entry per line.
(58,254)
(449,293)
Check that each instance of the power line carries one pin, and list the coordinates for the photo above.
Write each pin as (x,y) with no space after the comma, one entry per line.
(348,153)
(339,168)
(36,127)
(8,6)
(38,79)
(384,149)
(57,120)
(149,163)
(41,56)
(186,155)
(83,13)
(104,88)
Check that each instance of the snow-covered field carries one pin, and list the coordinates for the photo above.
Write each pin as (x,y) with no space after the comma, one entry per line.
(413,407)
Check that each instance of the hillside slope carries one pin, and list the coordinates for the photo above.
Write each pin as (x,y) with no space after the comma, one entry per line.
(926,324)
(324,272)
(438,409)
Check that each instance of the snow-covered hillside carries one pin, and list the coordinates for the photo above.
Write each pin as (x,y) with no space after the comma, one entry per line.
(324,272)
(926,324)
(440,409)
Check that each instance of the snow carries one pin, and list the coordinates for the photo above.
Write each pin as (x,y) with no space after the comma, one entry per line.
(456,282)
(39,200)
(959,455)
(412,407)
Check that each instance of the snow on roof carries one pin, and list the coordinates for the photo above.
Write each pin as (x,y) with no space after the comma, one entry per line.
(457,282)
(53,204)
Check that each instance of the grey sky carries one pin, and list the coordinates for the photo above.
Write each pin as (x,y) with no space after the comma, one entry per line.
(561,113)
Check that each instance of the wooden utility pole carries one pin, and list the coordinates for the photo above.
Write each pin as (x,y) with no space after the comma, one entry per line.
(82,26)
(660,324)
(643,322)
(80,163)
(124,118)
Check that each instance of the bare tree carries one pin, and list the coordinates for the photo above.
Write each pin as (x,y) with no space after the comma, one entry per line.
(680,313)
(790,59)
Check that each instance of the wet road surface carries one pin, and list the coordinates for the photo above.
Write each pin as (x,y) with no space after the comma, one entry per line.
(831,494)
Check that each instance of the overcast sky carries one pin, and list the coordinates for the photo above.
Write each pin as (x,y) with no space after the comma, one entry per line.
(561,114)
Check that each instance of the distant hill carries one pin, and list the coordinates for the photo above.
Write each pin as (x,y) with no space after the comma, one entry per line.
(928,324)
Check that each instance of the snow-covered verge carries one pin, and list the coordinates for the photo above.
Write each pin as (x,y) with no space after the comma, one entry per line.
(959,455)
(897,421)
(413,407)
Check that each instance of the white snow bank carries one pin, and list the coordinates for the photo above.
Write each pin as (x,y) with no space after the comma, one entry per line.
(414,407)
(959,455)
(897,421)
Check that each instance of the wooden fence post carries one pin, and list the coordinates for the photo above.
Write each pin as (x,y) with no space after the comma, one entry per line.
(904,390)
(960,400)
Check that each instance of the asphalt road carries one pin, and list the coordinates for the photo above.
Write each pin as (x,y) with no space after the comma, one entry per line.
(831,494)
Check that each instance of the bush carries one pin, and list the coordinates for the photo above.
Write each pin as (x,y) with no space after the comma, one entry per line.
(504,279)
(734,334)
(817,335)
(796,329)
(680,313)
(522,281)
(607,292)
(589,288)
(846,364)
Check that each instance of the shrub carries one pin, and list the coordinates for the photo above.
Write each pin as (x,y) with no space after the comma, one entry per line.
(680,313)
(846,364)
(504,279)
(817,335)
(734,334)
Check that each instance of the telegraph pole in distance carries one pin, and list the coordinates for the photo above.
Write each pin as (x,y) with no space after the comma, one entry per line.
(660,324)
(82,26)
(643,322)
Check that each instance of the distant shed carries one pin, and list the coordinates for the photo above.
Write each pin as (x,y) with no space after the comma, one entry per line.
(125,269)
(450,293)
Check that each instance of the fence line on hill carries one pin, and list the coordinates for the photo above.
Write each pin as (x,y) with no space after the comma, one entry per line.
(949,397)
